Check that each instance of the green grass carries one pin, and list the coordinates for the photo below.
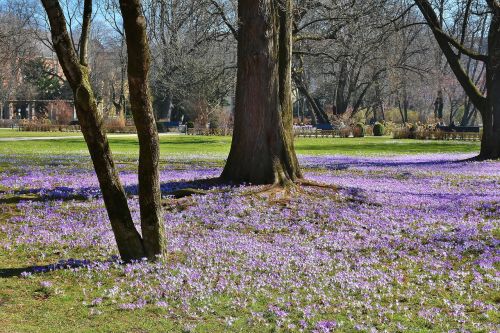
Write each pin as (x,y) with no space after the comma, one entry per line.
(380,145)
(25,307)
(128,145)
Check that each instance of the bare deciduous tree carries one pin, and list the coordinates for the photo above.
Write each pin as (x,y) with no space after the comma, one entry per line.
(489,104)
(262,150)
(130,243)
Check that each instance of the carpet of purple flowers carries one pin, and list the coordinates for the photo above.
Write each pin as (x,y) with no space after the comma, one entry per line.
(408,243)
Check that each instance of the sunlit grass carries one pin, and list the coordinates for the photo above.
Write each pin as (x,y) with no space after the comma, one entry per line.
(128,145)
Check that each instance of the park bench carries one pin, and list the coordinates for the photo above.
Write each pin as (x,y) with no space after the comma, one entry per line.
(317,133)
(210,131)
(464,133)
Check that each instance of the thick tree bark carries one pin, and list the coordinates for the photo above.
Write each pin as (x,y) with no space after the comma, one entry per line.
(127,238)
(149,153)
(490,146)
(262,150)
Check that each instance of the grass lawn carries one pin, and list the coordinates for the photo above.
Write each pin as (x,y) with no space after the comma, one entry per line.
(220,145)
(403,242)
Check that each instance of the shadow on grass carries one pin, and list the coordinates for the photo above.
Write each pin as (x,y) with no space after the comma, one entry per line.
(200,186)
(344,163)
(30,270)
(17,198)
(177,189)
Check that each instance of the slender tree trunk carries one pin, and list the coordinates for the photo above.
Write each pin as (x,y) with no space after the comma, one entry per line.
(127,238)
(468,112)
(380,101)
(169,106)
(402,112)
(117,104)
(262,150)
(406,106)
(149,153)
(164,107)
(359,101)
(341,101)
(319,114)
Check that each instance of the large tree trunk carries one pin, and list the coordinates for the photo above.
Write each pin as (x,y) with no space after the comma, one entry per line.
(127,238)
(262,150)
(149,153)
(490,145)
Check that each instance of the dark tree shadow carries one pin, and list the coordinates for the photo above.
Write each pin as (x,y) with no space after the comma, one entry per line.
(175,189)
(29,270)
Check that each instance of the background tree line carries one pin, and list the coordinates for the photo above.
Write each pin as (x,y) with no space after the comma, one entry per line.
(369,60)
(368,50)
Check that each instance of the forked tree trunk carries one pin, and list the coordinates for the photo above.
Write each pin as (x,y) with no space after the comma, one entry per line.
(318,113)
(127,238)
(142,110)
(262,150)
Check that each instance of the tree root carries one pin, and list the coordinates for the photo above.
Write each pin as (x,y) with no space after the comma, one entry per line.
(282,194)
(275,194)
(310,183)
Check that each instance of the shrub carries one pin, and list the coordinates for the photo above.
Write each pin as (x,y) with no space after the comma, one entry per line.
(160,127)
(413,131)
(401,133)
(345,132)
(389,127)
(214,124)
(190,124)
(39,125)
(359,130)
(115,125)
(378,129)
(368,130)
